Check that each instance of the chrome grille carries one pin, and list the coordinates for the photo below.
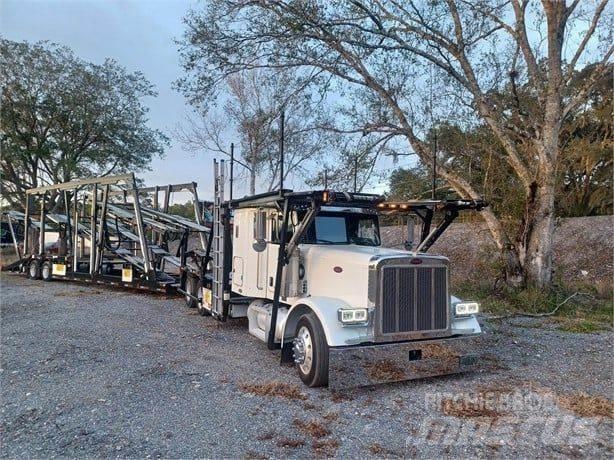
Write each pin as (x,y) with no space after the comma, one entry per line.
(413,299)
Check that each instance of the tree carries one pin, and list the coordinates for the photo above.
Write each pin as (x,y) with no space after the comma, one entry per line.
(352,167)
(253,105)
(64,118)
(584,180)
(384,49)
(415,183)
(584,184)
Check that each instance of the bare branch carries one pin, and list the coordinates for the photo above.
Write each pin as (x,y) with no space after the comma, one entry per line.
(587,36)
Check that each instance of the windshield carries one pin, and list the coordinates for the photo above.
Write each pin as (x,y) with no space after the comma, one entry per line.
(343,228)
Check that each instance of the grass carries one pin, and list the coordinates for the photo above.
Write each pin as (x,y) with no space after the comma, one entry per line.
(586,405)
(467,409)
(326,448)
(380,451)
(290,443)
(585,312)
(312,428)
(280,389)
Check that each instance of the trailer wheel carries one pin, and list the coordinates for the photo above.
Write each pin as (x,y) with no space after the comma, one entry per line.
(46,270)
(191,287)
(311,351)
(34,270)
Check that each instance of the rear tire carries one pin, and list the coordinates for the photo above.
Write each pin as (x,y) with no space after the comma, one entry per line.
(34,271)
(191,287)
(311,350)
(46,271)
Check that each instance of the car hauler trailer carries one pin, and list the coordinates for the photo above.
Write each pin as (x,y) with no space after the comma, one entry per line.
(110,232)
(308,271)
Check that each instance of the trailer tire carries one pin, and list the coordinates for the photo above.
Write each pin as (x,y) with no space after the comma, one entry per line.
(310,346)
(34,271)
(191,287)
(46,271)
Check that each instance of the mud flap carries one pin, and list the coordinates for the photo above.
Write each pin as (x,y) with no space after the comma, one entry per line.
(370,365)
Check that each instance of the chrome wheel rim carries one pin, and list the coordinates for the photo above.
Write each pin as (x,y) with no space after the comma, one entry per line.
(33,270)
(303,350)
(46,271)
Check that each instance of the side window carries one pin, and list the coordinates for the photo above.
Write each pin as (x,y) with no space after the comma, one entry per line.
(274,226)
(276,223)
(366,229)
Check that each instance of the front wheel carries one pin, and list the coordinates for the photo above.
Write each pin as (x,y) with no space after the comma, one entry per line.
(311,351)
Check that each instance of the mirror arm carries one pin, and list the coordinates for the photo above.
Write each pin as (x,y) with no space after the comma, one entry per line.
(302,228)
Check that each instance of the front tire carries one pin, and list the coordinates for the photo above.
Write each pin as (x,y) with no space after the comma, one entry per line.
(311,351)
(46,271)
(34,272)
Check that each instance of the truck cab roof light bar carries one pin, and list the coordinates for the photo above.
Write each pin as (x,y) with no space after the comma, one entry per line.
(436,205)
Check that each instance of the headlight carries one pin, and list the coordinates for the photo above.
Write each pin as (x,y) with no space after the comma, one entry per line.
(466,308)
(353,315)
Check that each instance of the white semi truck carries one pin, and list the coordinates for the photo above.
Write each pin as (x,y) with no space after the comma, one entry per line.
(308,271)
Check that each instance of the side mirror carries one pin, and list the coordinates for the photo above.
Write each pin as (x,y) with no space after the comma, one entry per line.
(409,242)
(259,244)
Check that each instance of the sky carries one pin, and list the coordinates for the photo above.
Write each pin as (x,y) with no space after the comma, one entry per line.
(138,34)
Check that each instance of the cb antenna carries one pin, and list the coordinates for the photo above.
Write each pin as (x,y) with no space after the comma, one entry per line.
(434,142)
(281,150)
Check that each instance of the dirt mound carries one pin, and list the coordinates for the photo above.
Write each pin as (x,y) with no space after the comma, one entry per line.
(583,250)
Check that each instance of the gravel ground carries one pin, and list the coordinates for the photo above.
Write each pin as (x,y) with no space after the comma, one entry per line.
(87,371)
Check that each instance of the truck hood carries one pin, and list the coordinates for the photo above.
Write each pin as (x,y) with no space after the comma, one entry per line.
(350,253)
(342,271)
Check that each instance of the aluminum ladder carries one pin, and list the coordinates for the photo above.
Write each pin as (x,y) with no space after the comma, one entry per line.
(218,243)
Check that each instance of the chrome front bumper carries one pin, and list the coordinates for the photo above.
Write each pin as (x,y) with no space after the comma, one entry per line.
(369,365)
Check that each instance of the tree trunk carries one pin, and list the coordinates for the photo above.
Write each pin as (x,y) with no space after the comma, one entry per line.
(252,182)
(538,238)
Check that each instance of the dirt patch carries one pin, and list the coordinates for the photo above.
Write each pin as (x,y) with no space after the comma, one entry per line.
(466,406)
(289,443)
(586,405)
(266,436)
(380,451)
(312,428)
(325,447)
(384,370)
(340,396)
(331,416)
(279,389)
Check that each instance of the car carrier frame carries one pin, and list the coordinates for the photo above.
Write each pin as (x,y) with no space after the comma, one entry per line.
(110,232)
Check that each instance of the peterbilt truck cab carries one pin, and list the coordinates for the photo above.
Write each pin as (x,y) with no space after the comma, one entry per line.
(309,272)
